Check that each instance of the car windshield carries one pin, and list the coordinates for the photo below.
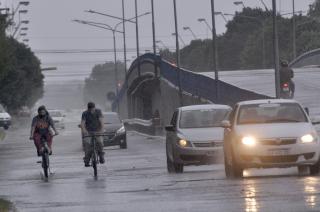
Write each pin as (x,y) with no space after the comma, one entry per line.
(203,118)
(111,119)
(271,113)
(55,113)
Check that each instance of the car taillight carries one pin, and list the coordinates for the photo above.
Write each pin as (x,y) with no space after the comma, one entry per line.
(285,85)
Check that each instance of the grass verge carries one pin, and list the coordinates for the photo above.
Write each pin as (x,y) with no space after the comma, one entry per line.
(6,206)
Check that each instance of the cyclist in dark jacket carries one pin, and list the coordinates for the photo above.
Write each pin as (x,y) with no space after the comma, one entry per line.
(92,123)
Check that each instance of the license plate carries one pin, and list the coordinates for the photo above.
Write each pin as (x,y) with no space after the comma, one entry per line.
(286,89)
(278,152)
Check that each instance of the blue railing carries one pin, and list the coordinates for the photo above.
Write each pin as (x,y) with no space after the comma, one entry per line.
(191,82)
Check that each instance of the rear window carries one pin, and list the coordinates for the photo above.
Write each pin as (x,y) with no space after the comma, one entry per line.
(111,118)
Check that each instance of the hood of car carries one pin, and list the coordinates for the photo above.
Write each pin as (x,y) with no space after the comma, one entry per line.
(112,127)
(286,130)
(202,134)
(5,115)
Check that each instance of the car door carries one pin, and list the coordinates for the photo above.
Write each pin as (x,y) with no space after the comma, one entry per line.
(172,136)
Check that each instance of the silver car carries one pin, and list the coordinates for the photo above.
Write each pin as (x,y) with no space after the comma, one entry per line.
(195,136)
(270,133)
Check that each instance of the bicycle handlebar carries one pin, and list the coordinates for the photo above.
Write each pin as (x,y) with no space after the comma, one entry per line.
(94,135)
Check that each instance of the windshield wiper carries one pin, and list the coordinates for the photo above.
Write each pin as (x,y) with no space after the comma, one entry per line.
(281,120)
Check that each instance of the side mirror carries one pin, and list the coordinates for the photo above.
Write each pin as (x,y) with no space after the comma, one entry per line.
(170,128)
(315,120)
(226,124)
(307,110)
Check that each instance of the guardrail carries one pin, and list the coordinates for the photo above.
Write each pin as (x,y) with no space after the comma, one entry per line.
(149,127)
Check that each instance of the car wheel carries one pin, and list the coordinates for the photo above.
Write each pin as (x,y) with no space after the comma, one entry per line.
(170,165)
(232,168)
(315,169)
(123,145)
(6,127)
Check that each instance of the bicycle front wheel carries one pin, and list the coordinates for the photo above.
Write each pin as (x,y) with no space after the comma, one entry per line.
(45,164)
(94,164)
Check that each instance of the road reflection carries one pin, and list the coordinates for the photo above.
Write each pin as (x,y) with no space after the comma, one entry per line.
(250,193)
(310,190)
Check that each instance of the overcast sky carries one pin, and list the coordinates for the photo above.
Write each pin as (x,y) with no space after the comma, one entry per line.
(51,26)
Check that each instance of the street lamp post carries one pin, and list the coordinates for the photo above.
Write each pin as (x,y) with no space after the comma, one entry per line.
(161,42)
(124,42)
(265,6)
(294,49)
(239,3)
(276,49)
(137,36)
(223,16)
(206,22)
(177,52)
(193,34)
(180,38)
(153,29)
(214,50)
(131,20)
(114,31)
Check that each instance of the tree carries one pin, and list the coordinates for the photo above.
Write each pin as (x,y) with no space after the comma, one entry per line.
(102,81)
(21,80)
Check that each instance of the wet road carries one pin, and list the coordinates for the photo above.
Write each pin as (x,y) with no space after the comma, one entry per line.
(136,180)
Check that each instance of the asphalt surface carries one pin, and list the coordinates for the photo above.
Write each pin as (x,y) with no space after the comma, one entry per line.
(136,179)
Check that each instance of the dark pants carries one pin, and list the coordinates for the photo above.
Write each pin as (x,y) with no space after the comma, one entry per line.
(88,147)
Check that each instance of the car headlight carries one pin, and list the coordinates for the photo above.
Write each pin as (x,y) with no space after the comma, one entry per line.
(183,143)
(308,139)
(121,130)
(249,141)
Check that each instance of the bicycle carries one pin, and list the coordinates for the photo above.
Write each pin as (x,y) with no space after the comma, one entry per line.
(94,159)
(45,152)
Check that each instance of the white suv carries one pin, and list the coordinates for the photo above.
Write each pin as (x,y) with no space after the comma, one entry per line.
(270,133)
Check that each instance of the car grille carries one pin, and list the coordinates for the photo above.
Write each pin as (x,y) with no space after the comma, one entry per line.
(278,142)
(208,144)
(279,159)
(110,135)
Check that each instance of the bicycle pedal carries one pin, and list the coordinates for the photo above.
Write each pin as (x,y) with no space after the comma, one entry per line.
(39,161)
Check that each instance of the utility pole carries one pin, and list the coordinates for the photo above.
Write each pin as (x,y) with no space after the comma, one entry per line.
(294,49)
(124,42)
(276,49)
(137,36)
(154,35)
(177,52)
(214,50)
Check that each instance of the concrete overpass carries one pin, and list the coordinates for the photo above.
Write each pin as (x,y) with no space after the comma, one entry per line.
(152,85)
